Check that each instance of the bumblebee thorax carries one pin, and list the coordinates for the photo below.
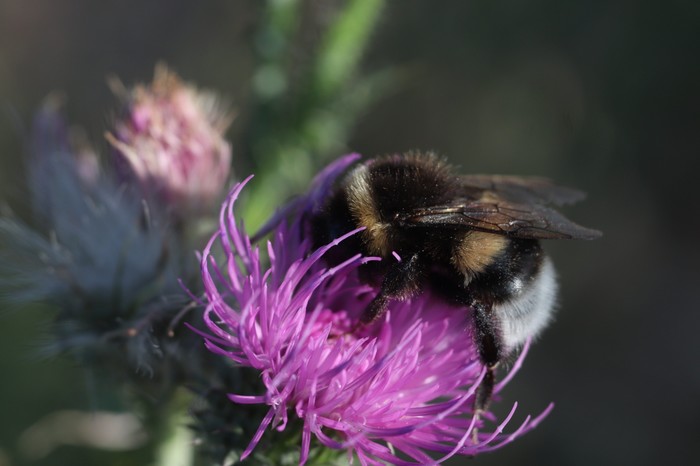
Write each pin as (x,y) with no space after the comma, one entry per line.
(379,192)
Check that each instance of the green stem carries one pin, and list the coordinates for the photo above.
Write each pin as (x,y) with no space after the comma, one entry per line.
(176,447)
(298,128)
(343,46)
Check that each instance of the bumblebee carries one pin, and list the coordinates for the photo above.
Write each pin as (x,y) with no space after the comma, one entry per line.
(474,239)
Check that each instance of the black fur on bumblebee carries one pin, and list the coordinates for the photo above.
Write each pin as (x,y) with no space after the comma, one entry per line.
(474,239)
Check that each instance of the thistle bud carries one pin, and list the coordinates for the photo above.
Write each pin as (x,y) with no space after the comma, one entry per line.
(170,140)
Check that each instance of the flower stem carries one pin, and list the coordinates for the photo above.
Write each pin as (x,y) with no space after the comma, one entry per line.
(176,446)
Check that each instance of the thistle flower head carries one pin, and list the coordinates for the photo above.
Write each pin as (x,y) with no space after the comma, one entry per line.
(96,253)
(170,140)
(400,391)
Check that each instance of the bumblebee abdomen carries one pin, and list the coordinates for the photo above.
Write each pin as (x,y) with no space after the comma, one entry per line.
(510,271)
(528,312)
(474,251)
(520,285)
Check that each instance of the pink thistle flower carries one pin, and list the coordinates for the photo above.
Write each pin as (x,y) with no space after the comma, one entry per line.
(402,388)
(171,141)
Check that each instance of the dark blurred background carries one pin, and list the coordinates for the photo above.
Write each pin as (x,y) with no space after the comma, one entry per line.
(601,95)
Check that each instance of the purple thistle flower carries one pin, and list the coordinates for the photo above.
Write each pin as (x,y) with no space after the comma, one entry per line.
(401,388)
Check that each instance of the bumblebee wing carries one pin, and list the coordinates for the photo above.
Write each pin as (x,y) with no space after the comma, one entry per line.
(519,189)
(499,216)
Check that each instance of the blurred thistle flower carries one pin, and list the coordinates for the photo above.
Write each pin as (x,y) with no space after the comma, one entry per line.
(170,139)
(402,388)
(95,252)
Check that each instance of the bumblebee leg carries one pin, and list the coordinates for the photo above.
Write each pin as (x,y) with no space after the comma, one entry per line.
(485,390)
(400,282)
(490,351)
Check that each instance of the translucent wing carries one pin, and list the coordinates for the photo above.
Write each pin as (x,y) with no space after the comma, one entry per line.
(520,189)
(496,215)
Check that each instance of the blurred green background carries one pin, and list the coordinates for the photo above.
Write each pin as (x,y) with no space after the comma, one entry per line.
(601,95)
